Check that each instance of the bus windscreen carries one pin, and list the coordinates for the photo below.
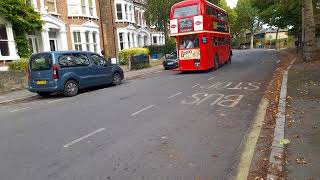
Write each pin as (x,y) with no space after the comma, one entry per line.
(189,42)
(186,11)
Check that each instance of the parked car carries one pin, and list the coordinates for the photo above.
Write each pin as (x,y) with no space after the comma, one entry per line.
(242,47)
(69,71)
(171,61)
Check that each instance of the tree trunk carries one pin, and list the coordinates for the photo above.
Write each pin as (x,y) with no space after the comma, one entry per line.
(107,24)
(251,39)
(277,34)
(310,31)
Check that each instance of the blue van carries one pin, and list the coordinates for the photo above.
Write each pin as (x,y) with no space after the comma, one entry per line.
(69,71)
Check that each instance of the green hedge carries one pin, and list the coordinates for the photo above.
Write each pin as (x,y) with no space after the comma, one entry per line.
(125,54)
(165,49)
(19,65)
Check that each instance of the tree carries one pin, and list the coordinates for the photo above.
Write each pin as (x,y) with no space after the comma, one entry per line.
(247,18)
(281,14)
(23,19)
(309,30)
(157,13)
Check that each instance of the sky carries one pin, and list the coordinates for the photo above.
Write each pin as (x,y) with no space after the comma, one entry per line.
(232,3)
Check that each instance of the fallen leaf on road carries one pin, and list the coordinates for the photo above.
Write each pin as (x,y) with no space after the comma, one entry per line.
(284,141)
(301,160)
(296,136)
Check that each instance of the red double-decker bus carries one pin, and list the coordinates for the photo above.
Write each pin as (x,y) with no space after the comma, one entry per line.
(203,35)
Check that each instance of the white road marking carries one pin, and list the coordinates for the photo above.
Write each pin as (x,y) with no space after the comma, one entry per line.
(211,78)
(195,85)
(54,101)
(21,109)
(172,96)
(146,108)
(83,137)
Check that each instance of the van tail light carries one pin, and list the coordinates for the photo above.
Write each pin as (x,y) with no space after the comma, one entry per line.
(55,72)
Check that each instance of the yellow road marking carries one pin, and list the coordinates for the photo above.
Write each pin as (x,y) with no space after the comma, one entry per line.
(251,141)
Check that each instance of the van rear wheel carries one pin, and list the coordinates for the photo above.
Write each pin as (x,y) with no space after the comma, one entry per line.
(71,88)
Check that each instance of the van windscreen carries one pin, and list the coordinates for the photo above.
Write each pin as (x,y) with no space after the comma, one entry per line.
(41,62)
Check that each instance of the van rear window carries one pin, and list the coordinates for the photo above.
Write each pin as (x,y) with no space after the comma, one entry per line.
(41,62)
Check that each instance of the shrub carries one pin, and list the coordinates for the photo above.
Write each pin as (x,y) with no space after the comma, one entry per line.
(165,49)
(125,54)
(19,65)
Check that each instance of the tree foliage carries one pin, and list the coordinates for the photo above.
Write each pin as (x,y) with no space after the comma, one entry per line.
(281,14)
(23,19)
(247,18)
(157,13)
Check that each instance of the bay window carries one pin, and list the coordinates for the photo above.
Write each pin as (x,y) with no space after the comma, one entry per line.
(85,39)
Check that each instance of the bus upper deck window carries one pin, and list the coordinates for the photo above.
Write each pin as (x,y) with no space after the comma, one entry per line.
(186,11)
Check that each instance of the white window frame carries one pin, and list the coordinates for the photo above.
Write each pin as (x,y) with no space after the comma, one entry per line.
(95,41)
(121,41)
(77,44)
(92,31)
(127,10)
(129,40)
(35,43)
(75,5)
(13,55)
(55,6)
(121,12)
(84,10)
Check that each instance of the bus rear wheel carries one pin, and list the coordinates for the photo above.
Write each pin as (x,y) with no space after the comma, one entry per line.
(216,62)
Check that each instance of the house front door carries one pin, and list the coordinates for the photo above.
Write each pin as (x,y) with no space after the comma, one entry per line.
(53,44)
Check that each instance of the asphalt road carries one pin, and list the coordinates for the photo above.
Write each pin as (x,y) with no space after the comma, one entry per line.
(163,126)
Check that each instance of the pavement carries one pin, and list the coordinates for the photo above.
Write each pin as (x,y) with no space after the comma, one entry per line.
(303,122)
(164,125)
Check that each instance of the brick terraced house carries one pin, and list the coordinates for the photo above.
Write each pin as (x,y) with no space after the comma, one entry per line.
(82,25)
(124,26)
(68,25)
